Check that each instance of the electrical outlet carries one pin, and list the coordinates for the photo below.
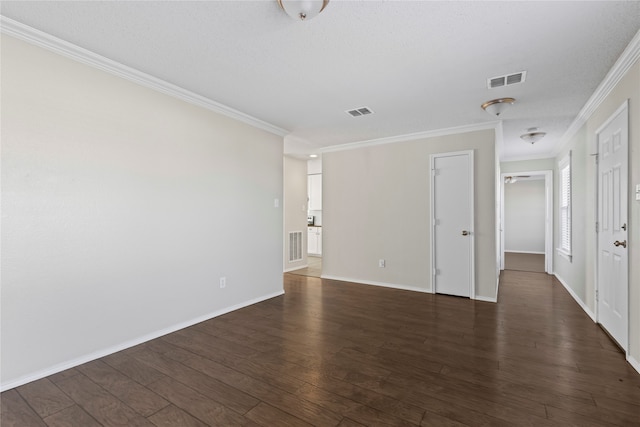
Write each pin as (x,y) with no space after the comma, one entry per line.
(381,263)
(223,282)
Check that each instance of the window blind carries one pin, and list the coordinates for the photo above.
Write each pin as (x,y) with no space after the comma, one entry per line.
(565,205)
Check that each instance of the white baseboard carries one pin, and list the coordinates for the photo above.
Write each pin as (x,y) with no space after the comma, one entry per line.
(485,299)
(633,362)
(296,268)
(382,284)
(396,286)
(127,344)
(581,303)
(524,252)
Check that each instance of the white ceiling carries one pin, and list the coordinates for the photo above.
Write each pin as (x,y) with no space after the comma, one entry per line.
(419,65)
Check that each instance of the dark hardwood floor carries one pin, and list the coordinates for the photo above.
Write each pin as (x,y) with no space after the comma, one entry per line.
(333,353)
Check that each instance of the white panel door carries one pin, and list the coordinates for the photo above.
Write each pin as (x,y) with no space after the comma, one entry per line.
(613,286)
(452,212)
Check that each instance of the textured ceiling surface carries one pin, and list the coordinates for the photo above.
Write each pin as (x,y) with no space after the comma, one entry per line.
(419,65)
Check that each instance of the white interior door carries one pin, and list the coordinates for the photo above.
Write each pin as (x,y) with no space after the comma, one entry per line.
(613,286)
(452,219)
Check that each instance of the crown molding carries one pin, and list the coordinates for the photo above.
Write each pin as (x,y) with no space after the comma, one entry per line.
(495,125)
(39,38)
(626,60)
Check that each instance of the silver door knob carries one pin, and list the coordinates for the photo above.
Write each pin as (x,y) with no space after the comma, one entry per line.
(618,243)
(465,233)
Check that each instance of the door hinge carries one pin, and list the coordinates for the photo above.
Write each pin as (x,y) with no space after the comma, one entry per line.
(596,226)
(597,294)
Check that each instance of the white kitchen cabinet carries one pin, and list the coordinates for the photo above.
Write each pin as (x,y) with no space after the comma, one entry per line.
(314,187)
(314,241)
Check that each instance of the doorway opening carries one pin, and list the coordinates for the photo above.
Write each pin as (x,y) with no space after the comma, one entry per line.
(526,211)
(313,268)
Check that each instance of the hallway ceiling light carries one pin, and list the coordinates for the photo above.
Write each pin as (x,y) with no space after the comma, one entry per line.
(514,179)
(532,136)
(497,106)
(303,10)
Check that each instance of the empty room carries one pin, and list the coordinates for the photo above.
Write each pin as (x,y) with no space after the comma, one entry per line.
(326,213)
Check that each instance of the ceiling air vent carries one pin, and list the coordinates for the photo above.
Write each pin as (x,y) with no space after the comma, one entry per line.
(509,79)
(362,111)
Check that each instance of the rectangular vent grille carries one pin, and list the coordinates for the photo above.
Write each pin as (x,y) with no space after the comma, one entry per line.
(357,112)
(295,246)
(509,79)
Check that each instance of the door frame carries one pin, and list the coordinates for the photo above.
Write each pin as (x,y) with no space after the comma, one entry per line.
(472,268)
(596,183)
(548,224)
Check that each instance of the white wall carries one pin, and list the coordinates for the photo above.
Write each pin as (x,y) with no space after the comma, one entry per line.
(579,274)
(528,165)
(376,206)
(314,166)
(295,208)
(121,209)
(524,216)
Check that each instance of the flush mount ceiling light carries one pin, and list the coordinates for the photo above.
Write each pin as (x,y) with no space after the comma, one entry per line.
(303,10)
(497,106)
(514,179)
(532,136)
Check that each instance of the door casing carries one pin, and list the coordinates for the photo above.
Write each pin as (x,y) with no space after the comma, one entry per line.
(548,227)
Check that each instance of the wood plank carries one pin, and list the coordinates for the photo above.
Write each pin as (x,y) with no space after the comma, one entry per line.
(172,416)
(134,369)
(16,412)
(196,404)
(141,399)
(267,416)
(214,389)
(99,403)
(73,416)
(44,397)
(63,375)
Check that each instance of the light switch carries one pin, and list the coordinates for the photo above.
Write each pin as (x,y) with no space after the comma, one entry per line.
(637,191)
